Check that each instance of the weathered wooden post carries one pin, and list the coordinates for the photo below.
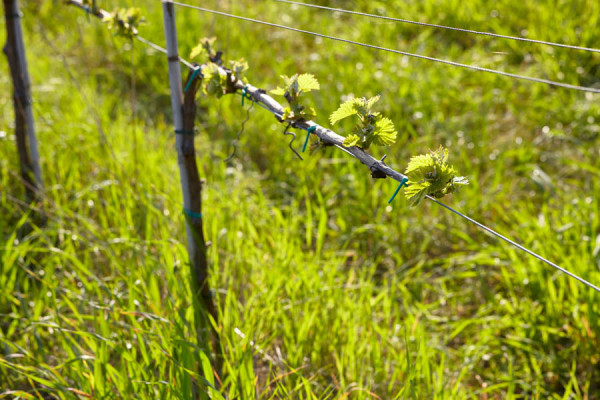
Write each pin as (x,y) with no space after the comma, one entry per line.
(27,145)
(184,112)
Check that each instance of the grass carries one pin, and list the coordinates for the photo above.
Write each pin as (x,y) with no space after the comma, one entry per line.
(324,290)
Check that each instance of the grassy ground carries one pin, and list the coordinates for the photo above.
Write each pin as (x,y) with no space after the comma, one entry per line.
(324,290)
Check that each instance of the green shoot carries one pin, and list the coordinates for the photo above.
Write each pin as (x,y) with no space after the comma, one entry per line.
(204,49)
(295,86)
(125,21)
(215,82)
(430,174)
(372,128)
(238,69)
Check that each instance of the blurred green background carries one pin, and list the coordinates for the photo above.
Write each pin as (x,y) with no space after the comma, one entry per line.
(324,290)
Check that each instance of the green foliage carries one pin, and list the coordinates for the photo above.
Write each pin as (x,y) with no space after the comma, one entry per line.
(372,128)
(204,49)
(430,174)
(238,69)
(216,82)
(357,301)
(294,87)
(125,21)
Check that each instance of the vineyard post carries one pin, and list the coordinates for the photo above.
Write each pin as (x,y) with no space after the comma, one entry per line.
(27,145)
(184,111)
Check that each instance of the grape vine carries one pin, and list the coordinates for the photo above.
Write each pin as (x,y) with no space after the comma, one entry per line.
(430,174)
(372,127)
(216,81)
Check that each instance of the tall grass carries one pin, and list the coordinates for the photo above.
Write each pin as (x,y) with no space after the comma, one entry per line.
(324,290)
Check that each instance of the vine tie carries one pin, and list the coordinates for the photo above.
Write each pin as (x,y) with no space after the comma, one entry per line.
(308,132)
(402,183)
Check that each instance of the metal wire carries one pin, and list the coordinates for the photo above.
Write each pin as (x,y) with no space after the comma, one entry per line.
(455,64)
(496,35)
(163,50)
(467,218)
(517,245)
(478,224)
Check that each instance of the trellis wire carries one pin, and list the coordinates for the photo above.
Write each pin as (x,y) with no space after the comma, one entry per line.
(406,21)
(404,53)
(274,107)
(104,14)
(265,101)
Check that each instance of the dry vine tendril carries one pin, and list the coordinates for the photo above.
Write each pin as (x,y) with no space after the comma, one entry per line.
(295,86)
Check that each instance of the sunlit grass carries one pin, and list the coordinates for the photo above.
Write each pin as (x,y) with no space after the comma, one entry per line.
(324,291)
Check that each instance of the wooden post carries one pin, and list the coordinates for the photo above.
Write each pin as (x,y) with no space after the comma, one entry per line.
(27,146)
(184,113)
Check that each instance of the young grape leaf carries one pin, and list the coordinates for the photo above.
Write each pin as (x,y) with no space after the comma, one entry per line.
(294,87)
(125,21)
(214,83)
(346,109)
(385,132)
(204,48)
(278,92)
(430,174)
(372,127)
(372,101)
(238,68)
(351,140)
(308,83)
(198,52)
(415,194)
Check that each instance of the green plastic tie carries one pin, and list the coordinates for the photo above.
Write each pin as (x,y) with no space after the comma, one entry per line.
(244,94)
(192,214)
(402,183)
(194,74)
(15,15)
(308,132)
(182,132)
